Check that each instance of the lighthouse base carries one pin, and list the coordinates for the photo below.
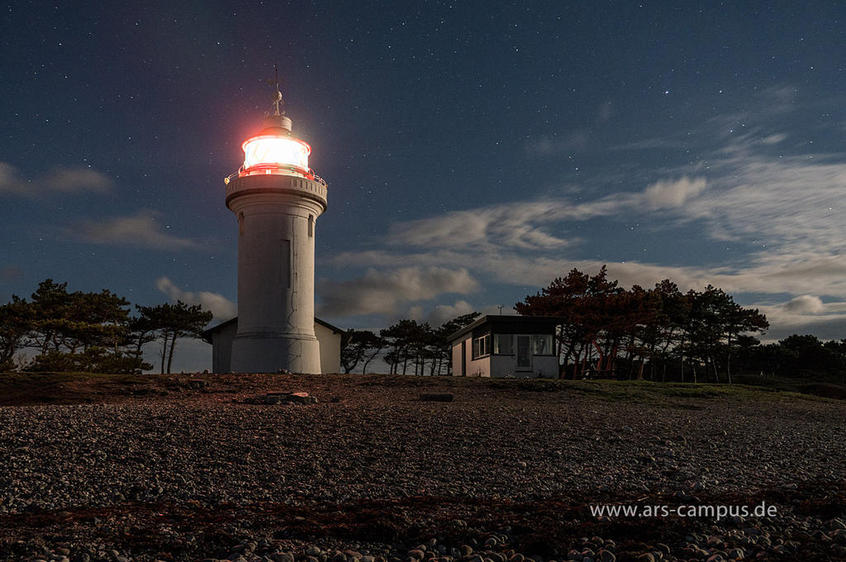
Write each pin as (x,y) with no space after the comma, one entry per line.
(274,353)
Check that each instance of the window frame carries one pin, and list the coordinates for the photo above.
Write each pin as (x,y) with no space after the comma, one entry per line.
(480,344)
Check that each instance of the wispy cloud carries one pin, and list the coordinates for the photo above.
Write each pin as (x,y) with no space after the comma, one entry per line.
(514,225)
(61,180)
(141,230)
(388,291)
(220,306)
(790,202)
(521,224)
(671,194)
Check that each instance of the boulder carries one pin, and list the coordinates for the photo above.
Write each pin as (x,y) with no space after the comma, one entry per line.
(289,398)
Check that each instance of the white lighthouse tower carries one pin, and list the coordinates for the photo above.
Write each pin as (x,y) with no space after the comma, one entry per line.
(277,199)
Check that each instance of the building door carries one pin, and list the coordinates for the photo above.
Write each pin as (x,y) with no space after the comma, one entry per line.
(524,352)
(463,358)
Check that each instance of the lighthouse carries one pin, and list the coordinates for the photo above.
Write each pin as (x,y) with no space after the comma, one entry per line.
(276,199)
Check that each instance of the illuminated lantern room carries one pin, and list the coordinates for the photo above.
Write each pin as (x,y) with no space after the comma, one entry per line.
(275,151)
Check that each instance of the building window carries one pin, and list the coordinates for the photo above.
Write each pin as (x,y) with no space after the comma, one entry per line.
(311,226)
(503,344)
(481,346)
(542,345)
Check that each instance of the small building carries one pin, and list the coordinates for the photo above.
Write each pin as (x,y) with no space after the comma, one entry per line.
(506,346)
(222,335)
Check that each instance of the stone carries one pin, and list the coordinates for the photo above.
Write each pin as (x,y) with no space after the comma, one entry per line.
(606,556)
(197,384)
(289,398)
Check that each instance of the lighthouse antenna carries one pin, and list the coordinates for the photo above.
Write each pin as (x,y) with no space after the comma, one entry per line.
(277,96)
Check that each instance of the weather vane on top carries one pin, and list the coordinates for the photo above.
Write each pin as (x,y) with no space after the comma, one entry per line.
(277,97)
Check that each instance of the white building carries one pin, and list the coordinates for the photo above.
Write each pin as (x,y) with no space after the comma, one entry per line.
(276,198)
(221,336)
(506,346)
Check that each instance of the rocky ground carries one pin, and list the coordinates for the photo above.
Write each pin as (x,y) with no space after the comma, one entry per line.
(147,468)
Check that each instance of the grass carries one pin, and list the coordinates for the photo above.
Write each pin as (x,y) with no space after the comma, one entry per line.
(75,388)
(633,391)
(646,391)
(63,388)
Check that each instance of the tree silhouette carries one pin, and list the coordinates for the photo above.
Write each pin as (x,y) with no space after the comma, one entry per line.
(359,346)
(639,327)
(171,322)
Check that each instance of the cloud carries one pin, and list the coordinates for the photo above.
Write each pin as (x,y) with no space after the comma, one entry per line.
(60,180)
(524,224)
(767,275)
(805,314)
(670,194)
(514,225)
(774,139)
(445,312)
(10,181)
(141,230)
(220,306)
(805,304)
(70,180)
(387,291)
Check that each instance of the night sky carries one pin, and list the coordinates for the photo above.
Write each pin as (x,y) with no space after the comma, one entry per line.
(473,151)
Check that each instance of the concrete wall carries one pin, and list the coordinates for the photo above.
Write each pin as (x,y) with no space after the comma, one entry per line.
(276,232)
(506,366)
(474,368)
(330,348)
(456,361)
(222,348)
(545,366)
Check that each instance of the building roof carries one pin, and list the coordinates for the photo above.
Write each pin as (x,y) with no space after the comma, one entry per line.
(508,323)
(325,324)
(207,334)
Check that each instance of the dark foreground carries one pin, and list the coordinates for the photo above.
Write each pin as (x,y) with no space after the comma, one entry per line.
(145,468)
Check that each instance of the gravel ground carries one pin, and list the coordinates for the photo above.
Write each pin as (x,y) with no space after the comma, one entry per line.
(371,473)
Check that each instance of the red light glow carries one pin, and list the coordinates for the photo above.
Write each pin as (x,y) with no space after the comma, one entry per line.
(274,151)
